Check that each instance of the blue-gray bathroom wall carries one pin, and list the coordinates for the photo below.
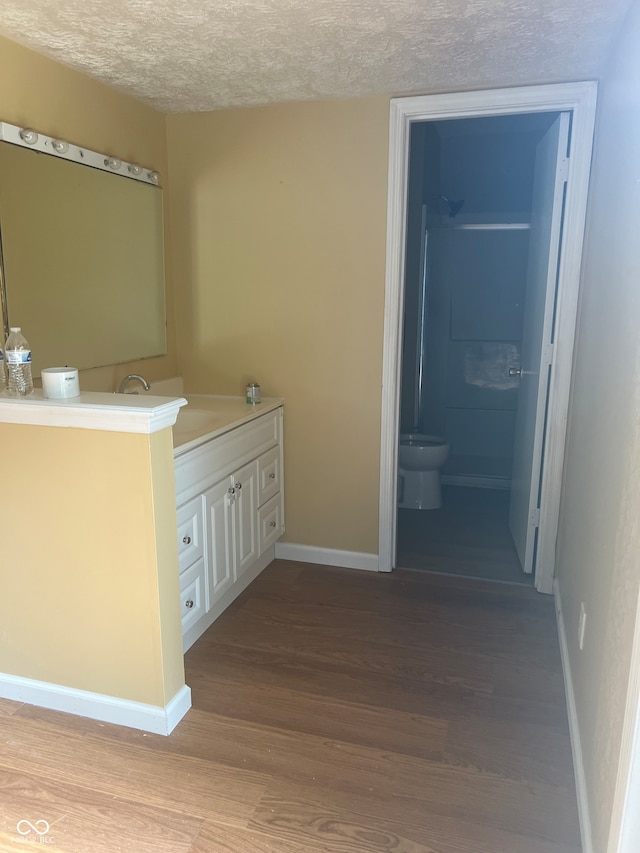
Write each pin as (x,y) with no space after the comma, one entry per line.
(473,334)
(424,169)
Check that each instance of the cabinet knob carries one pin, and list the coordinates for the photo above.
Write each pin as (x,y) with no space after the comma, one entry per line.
(272,524)
(189,603)
(186,540)
(231,490)
(272,475)
(238,486)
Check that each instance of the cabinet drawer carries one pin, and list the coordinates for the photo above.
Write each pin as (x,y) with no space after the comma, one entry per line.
(192,594)
(199,468)
(190,527)
(270,522)
(268,475)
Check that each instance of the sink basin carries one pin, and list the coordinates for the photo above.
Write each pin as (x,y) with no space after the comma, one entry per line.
(208,416)
(193,423)
(194,419)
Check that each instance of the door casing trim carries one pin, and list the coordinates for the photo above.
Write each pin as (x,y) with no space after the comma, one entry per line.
(580,99)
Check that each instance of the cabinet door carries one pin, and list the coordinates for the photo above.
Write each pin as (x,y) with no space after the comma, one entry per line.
(245,484)
(219,502)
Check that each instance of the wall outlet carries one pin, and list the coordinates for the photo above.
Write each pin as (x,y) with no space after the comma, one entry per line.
(582,621)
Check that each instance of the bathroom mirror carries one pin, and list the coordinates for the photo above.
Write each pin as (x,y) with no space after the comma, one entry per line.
(83,261)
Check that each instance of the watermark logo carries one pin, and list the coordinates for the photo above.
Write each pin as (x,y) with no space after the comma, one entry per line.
(34,833)
(40,827)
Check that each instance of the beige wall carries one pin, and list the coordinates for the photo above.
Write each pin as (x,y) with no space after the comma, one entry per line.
(90,596)
(165,560)
(599,537)
(278,233)
(54,99)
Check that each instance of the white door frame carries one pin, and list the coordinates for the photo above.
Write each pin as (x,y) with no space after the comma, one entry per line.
(580,99)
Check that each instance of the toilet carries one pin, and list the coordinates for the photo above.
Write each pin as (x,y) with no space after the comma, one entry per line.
(420,458)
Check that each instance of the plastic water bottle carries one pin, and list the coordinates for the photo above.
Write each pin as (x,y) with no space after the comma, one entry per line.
(18,357)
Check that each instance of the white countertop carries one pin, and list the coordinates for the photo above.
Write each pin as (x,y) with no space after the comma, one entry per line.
(93,410)
(207,416)
(203,417)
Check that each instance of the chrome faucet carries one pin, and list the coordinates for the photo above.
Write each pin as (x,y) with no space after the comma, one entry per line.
(122,386)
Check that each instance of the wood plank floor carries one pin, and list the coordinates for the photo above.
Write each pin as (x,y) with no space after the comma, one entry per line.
(468,536)
(335,711)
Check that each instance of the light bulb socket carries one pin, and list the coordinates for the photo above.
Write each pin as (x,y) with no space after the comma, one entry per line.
(154,177)
(60,146)
(112,163)
(134,169)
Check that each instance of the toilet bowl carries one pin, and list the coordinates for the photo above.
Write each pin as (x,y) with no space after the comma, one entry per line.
(420,458)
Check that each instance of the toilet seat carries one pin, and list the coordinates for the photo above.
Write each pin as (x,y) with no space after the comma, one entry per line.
(417,439)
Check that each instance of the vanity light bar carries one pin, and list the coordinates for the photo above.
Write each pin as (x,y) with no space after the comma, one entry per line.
(29,138)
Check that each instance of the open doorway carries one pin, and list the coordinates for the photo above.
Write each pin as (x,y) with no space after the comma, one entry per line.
(474,263)
(540,108)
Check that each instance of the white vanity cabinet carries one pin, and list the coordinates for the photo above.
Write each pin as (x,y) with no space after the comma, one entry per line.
(230,513)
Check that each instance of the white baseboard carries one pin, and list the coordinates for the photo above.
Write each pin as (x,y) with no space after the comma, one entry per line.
(574,729)
(97,706)
(327,556)
(176,709)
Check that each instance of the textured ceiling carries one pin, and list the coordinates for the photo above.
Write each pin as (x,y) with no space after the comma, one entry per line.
(193,55)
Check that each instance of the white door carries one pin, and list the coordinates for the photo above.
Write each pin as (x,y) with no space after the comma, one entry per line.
(537,349)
